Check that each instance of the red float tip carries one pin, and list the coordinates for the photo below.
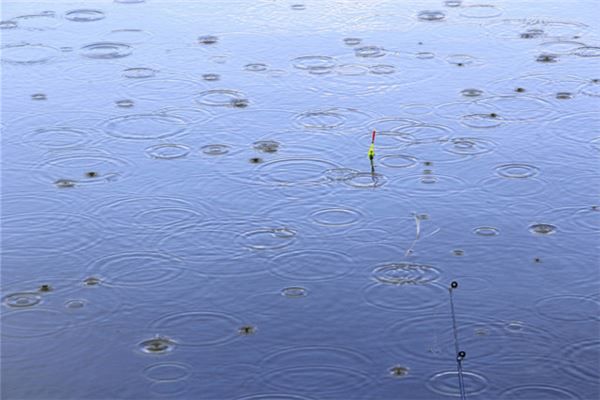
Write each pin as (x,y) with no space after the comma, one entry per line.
(373,137)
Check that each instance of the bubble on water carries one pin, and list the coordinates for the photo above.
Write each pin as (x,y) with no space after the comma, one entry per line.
(547,58)
(39,96)
(429,15)
(398,371)
(22,299)
(75,304)
(532,34)
(126,103)
(207,39)
(139,73)
(480,11)
(92,281)
(471,92)
(168,151)
(542,229)
(369,51)
(266,146)
(564,95)
(106,50)
(453,3)
(405,273)
(65,183)
(486,231)
(444,383)
(256,67)
(352,41)
(84,15)
(27,53)
(8,24)
(294,292)
(517,171)
(157,345)
(425,55)
(215,149)
(211,77)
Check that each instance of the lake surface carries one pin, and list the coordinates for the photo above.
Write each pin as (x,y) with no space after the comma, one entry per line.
(189,212)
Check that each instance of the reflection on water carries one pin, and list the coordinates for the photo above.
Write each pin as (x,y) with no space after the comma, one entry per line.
(189,209)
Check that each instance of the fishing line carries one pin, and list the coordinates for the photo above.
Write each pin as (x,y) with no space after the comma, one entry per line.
(460,355)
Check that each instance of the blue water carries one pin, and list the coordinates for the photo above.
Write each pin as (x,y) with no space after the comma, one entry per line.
(189,212)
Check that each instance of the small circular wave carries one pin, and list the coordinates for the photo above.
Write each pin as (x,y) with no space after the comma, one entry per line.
(318,379)
(399,297)
(22,299)
(170,151)
(517,171)
(167,372)
(568,308)
(338,216)
(444,383)
(480,11)
(295,171)
(139,73)
(486,231)
(267,238)
(106,50)
(27,53)
(469,146)
(220,98)
(546,392)
(582,360)
(405,273)
(137,269)
(311,265)
(145,126)
(84,15)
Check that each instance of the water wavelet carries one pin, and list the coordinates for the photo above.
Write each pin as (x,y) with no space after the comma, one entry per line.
(199,328)
(311,265)
(28,53)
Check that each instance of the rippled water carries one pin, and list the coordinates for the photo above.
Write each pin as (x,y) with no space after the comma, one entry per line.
(188,210)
